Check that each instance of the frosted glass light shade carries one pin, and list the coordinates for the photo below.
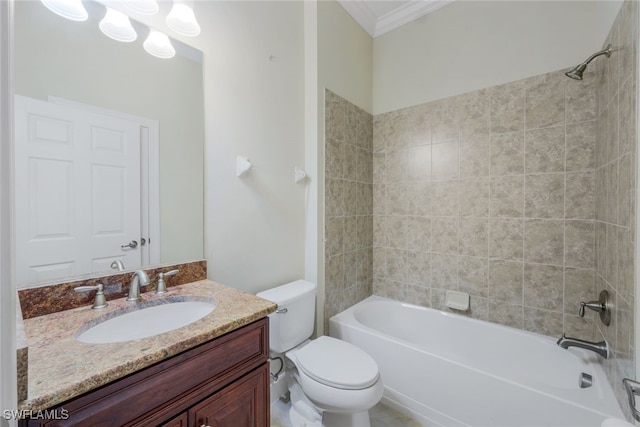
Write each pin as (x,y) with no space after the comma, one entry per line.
(182,20)
(159,45)
(144,7)
(70,9)
(117,26)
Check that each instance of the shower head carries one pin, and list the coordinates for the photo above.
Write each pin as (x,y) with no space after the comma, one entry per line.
(577,72)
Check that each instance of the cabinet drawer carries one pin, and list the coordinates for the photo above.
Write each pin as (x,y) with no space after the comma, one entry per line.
(167,388)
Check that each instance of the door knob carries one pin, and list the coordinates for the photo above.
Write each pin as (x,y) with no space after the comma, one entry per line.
(132,245)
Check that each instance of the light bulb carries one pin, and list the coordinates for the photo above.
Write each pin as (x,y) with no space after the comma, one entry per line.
(144,7)
(182,20)
(159,45)
(70,9)
(117,26)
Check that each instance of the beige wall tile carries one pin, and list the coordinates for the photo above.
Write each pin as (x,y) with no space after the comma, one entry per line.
(544,196)
(506,238)
(395,198)
(474,197)
(334,197)
(444,160)
(545,150)
(396,231)
(580,146)
(542,321)
(579,244)
(419,163)
(506,281)
(473,236)
(420,198)
(396,165)
(419,268)
(543,286)
(505,314)
(444,271)
(444,235)
(473,276)
(507,154)
(396,268)
(507,107)
(474,156)
(580,195)
(507,196)
(579,286)
(581,98)
(419,233)
(543,241)
(545,101)
(446,195)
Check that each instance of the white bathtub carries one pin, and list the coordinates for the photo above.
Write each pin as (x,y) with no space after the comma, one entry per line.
(451,371)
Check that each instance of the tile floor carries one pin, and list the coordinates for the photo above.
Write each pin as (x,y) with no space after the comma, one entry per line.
(380,415)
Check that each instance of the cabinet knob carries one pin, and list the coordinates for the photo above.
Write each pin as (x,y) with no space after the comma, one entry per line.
(204,425)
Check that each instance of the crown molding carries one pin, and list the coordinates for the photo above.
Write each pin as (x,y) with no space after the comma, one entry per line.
(362,14)
(406,13)
(403,14)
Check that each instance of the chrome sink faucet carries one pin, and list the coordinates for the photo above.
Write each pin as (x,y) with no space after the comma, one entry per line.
(138,278)
(600,348)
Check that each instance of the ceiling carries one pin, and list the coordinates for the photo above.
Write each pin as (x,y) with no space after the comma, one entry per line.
(381,16)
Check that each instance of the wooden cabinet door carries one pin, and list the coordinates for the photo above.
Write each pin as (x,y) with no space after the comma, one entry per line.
(244,403)
(181,420)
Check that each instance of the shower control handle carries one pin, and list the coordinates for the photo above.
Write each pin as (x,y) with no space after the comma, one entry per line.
(601,306)
(593,305)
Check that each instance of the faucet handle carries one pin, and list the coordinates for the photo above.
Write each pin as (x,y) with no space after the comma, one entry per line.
(99,300)
(601,306)
(170,273)
(162,286)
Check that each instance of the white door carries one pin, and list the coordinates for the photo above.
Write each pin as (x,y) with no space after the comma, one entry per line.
(77,191)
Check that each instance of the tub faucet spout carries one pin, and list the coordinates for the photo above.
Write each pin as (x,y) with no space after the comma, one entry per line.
(598,347)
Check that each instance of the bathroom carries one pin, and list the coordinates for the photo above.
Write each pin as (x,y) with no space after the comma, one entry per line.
(264,229)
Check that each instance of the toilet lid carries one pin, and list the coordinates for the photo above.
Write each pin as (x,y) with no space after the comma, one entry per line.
(337,363)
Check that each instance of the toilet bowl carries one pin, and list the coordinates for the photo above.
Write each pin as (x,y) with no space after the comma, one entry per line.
(336,376)
(332,382)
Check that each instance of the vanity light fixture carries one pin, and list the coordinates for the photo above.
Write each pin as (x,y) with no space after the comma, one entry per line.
(116,25)
(159,45)
(70,9)
(143,7)
(182,20)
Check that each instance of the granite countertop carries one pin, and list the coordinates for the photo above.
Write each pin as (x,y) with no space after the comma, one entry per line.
(60,367)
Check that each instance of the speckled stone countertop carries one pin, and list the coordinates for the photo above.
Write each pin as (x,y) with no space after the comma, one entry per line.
(60,367)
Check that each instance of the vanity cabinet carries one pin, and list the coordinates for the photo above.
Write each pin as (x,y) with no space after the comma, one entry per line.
(224,382)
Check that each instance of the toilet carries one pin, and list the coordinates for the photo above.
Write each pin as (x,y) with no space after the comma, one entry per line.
(332,383)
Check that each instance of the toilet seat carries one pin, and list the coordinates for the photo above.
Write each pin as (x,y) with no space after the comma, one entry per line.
(337,364)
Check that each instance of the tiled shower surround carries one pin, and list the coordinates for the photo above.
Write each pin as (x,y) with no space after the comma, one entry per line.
(615,193)
(491,193)
(348,204)
(522,195)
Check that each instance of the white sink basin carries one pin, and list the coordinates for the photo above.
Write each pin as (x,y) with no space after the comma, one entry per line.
(147,319)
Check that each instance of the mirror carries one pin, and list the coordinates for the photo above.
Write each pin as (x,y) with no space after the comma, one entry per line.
(82,71)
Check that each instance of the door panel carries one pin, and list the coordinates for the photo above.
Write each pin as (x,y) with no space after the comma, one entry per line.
(77,190)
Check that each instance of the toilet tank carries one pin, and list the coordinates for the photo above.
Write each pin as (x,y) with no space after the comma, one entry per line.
(293,323)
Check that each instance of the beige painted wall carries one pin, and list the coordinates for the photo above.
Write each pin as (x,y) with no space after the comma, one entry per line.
(469,45)
(254,104)
(345,55)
